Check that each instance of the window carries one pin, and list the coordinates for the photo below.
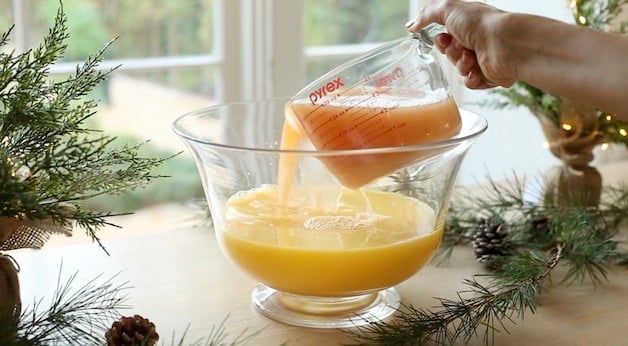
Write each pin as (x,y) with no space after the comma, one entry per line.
(176,56)
(168,65)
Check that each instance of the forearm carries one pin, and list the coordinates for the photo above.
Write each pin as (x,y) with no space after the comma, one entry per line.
(575,62)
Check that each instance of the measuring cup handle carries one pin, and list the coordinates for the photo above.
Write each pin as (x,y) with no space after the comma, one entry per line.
(428,34)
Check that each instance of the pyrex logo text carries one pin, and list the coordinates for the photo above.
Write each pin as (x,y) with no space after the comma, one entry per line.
(329,87)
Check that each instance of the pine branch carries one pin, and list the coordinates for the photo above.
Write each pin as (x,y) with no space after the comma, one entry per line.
(49,157)
(27,75)
(539,237)
(588,234)
(81,316)
(74,317)
(522,94)
(590,245)
(480,308)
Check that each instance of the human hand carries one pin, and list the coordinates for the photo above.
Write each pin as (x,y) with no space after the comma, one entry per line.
(472,43)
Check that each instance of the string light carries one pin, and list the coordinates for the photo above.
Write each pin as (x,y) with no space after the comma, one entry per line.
(622,131)
(22,173)
(574,5)
(567,127)
(604,146)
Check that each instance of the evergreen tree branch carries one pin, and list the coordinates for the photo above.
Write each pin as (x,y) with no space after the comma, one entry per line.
(482,308)
(49,157)
(540,236)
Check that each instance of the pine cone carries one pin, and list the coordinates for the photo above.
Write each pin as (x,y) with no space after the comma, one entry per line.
(132,331)
(540,224)
(489,240)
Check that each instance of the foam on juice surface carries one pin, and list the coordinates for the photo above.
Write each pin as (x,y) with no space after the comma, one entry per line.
(348,223)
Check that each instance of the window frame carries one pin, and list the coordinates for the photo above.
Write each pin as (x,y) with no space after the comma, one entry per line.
(258,49)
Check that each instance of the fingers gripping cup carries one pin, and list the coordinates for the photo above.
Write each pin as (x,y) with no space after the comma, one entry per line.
(395,95)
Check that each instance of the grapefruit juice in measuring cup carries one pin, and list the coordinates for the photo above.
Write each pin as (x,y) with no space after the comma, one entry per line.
(362,121)
(393,96)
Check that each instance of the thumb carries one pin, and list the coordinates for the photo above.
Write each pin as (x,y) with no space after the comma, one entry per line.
(427,15)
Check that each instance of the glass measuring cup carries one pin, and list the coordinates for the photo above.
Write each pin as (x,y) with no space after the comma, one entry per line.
(394,95)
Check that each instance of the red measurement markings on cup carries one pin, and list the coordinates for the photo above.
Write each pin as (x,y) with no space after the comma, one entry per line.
(346,116)
(380,127)
(328,133)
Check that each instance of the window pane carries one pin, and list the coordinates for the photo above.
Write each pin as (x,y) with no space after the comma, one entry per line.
(329,22)
(344,22)
(6,15)
(145,28)
(145,103)
(319,66)
(141,106)
(140,100)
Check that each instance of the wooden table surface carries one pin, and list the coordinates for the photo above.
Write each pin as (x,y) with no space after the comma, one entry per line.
(179,279)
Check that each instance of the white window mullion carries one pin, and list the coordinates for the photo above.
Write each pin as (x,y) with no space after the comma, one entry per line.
(288,61)
(20,19)
(414,6)
(261,49)
(256,49)
(228,29)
